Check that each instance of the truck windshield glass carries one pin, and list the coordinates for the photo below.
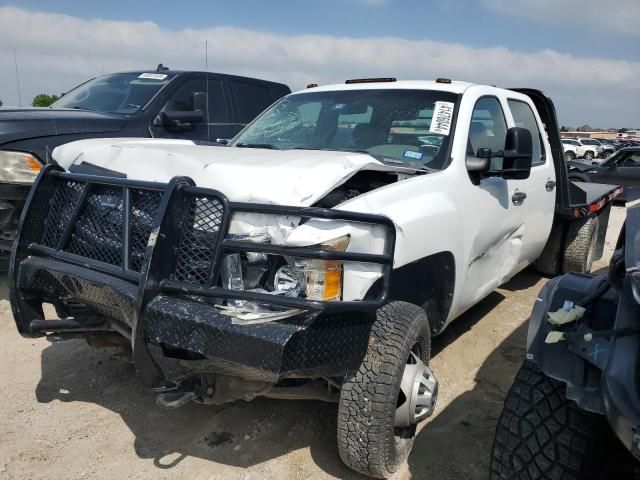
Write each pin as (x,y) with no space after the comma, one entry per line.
(398,126)
(122,93)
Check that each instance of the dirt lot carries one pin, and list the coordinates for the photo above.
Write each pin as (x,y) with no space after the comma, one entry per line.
(72,412)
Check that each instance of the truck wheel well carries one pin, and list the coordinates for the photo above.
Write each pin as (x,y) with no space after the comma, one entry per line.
(428,282)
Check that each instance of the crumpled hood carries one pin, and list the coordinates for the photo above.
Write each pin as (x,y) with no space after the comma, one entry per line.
(284,177)
(24,123)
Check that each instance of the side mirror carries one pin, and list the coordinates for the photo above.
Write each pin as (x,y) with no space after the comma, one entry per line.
(479,163)
(200,102)
(517,154)
(179,120)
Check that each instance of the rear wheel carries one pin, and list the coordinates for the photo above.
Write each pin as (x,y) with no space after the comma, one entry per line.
(580,245)
(393,389)
(569,156)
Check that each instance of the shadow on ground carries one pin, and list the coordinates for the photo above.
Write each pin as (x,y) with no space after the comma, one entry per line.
(457,443)
(265,429)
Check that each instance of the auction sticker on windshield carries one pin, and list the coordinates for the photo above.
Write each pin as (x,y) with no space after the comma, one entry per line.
(153,76)
(441,119)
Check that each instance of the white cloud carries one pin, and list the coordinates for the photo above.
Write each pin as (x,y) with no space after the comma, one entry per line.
(56,52)
(591,16)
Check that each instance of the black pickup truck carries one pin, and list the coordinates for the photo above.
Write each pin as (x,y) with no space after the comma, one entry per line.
(159,103)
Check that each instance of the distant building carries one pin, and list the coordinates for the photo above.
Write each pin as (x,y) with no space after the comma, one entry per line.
(612,135)
(602,134)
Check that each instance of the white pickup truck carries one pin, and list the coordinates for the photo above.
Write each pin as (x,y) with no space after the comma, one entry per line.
(314,256)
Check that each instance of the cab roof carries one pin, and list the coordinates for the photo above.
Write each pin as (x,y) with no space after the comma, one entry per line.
(453,87)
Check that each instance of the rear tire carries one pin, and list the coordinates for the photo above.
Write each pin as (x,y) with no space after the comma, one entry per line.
(580,244)
(569,156)
(368,440)
(541,434)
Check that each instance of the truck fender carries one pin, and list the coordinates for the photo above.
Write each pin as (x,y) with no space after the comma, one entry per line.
(428,282)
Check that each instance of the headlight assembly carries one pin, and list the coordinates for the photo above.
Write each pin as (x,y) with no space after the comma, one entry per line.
(18,167)
(311,279)
(323,278)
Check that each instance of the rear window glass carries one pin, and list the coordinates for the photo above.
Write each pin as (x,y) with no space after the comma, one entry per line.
(251,99)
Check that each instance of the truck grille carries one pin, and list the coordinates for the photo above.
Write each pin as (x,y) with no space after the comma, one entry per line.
(97,229)
(200,226)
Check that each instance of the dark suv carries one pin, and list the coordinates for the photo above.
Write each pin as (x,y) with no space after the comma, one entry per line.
(159,103)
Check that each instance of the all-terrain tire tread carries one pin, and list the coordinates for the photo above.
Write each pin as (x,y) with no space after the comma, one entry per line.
(365,414)
(540,434)
(578,244)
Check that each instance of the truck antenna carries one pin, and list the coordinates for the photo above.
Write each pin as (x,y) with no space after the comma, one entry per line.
(206,79)
(15,61)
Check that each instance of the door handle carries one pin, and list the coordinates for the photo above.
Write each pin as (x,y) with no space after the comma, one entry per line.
(550,185)
(518,198)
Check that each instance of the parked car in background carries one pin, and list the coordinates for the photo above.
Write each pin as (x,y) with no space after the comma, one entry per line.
(588,148)
(607,146)
(570,148)
(622,168)
(161,104)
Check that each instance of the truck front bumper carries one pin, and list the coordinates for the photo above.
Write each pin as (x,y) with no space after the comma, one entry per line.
(140,260)
(187,336)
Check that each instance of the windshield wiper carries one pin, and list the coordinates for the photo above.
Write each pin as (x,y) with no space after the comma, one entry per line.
(256,145)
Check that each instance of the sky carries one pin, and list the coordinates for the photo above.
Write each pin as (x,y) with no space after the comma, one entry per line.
(584,53)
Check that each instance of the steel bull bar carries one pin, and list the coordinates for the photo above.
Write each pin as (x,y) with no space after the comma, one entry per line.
(116,255)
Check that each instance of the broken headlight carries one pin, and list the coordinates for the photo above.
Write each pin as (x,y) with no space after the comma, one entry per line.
(322,279)
(313,279)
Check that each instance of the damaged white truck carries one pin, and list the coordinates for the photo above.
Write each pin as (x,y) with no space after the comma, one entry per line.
(315,256)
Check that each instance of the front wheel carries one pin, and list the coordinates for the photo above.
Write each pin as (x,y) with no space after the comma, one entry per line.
(588,155)
(392,390)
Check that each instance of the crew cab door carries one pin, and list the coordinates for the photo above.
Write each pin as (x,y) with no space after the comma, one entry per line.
(540,187)
(494,213)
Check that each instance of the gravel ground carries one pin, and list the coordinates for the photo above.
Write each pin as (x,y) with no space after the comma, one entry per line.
(72,412)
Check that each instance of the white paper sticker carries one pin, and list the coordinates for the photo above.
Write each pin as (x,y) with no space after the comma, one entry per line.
(153,76)
(442,116)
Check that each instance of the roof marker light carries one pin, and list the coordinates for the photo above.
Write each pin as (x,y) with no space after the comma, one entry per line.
(370,80)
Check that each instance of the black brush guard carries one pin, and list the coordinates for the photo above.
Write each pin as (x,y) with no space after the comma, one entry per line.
(141,259)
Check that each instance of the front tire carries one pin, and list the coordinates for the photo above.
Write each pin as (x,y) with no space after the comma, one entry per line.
(368,439)
(541,434)
(588,155)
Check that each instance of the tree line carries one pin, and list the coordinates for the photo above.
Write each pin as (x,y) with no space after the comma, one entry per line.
(41,100)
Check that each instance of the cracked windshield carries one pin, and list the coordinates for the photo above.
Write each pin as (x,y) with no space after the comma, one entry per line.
(407,127)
